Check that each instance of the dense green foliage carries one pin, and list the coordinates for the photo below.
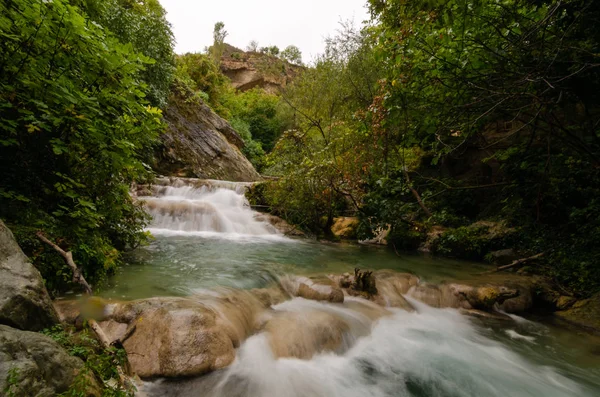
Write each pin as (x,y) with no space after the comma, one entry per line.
(449,112)
(75,129)
(143,24)
(99,363)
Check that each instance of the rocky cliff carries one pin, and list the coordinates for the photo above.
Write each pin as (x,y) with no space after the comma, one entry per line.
(198,143)
(248,70)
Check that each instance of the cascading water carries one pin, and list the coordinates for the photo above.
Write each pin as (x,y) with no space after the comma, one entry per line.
(217,208)
(303,348)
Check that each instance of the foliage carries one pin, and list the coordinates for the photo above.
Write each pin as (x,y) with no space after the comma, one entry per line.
(216,50)
(271,50)
(252,149)
(75,131)
(458,69)
(201,74)
(262,113)
(252,46)
(142,23)
(292,54)
(326,160)
(99,363)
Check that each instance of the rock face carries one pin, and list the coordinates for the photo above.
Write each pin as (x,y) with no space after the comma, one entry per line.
(248,70)
(32,364)
(198,143)
(24,301)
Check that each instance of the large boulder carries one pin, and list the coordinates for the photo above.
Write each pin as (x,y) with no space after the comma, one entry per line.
(199,143)
(24,301)
(32,364)
(174,337)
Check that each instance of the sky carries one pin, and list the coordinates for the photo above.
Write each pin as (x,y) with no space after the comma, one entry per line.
(304,24)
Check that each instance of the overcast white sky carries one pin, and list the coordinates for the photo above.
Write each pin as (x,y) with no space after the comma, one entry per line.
(304,23)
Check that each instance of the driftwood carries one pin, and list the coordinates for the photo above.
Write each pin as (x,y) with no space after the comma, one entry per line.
(515,263)
(78,278)
(364,282)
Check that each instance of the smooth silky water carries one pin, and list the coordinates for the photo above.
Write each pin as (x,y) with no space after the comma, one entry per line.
(207,238)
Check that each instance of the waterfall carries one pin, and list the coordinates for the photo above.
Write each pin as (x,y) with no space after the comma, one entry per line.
(205,208)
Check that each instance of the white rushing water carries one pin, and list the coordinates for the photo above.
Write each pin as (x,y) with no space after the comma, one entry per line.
(428,353)
(218,209)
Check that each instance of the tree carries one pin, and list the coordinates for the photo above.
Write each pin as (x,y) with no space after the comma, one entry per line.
(252,46)
(76,130)
(219,34)
(143,24)
(292,54)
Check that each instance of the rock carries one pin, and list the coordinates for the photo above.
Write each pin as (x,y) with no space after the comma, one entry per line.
(304,334)
(584,314)
(320,293)
(503,257)
(199,143)
(565,302)
(344,227)
(485,297)
(177,337)
(24,301)
(280,224)
(248,70)
(522,303)
(427,293)
(32,364)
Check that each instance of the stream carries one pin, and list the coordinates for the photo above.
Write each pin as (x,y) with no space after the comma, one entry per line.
(207,239)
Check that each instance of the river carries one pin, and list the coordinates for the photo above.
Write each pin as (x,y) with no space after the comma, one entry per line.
(207,238)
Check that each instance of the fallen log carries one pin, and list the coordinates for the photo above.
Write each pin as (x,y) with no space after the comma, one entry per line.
(78,278)
(515,263)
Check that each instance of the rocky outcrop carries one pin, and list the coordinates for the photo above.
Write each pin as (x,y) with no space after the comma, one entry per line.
(32,364)
(198,143)
(24,301)
(248,70)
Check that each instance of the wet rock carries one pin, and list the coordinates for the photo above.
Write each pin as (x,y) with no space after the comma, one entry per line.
(522,303)
(173,337)
(487,315)
(427,293)
(320,293)
(565,302)
(280,224)
(303,334)
(584,314)
(32,364)
(24,301)
(485,297)
(503,257)
(344,227)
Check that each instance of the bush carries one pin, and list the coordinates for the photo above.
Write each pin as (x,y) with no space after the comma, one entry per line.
(100,363)
(75,132)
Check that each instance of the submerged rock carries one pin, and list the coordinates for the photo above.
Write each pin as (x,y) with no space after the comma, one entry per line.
(24,301)
(302,335)
(32,364)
